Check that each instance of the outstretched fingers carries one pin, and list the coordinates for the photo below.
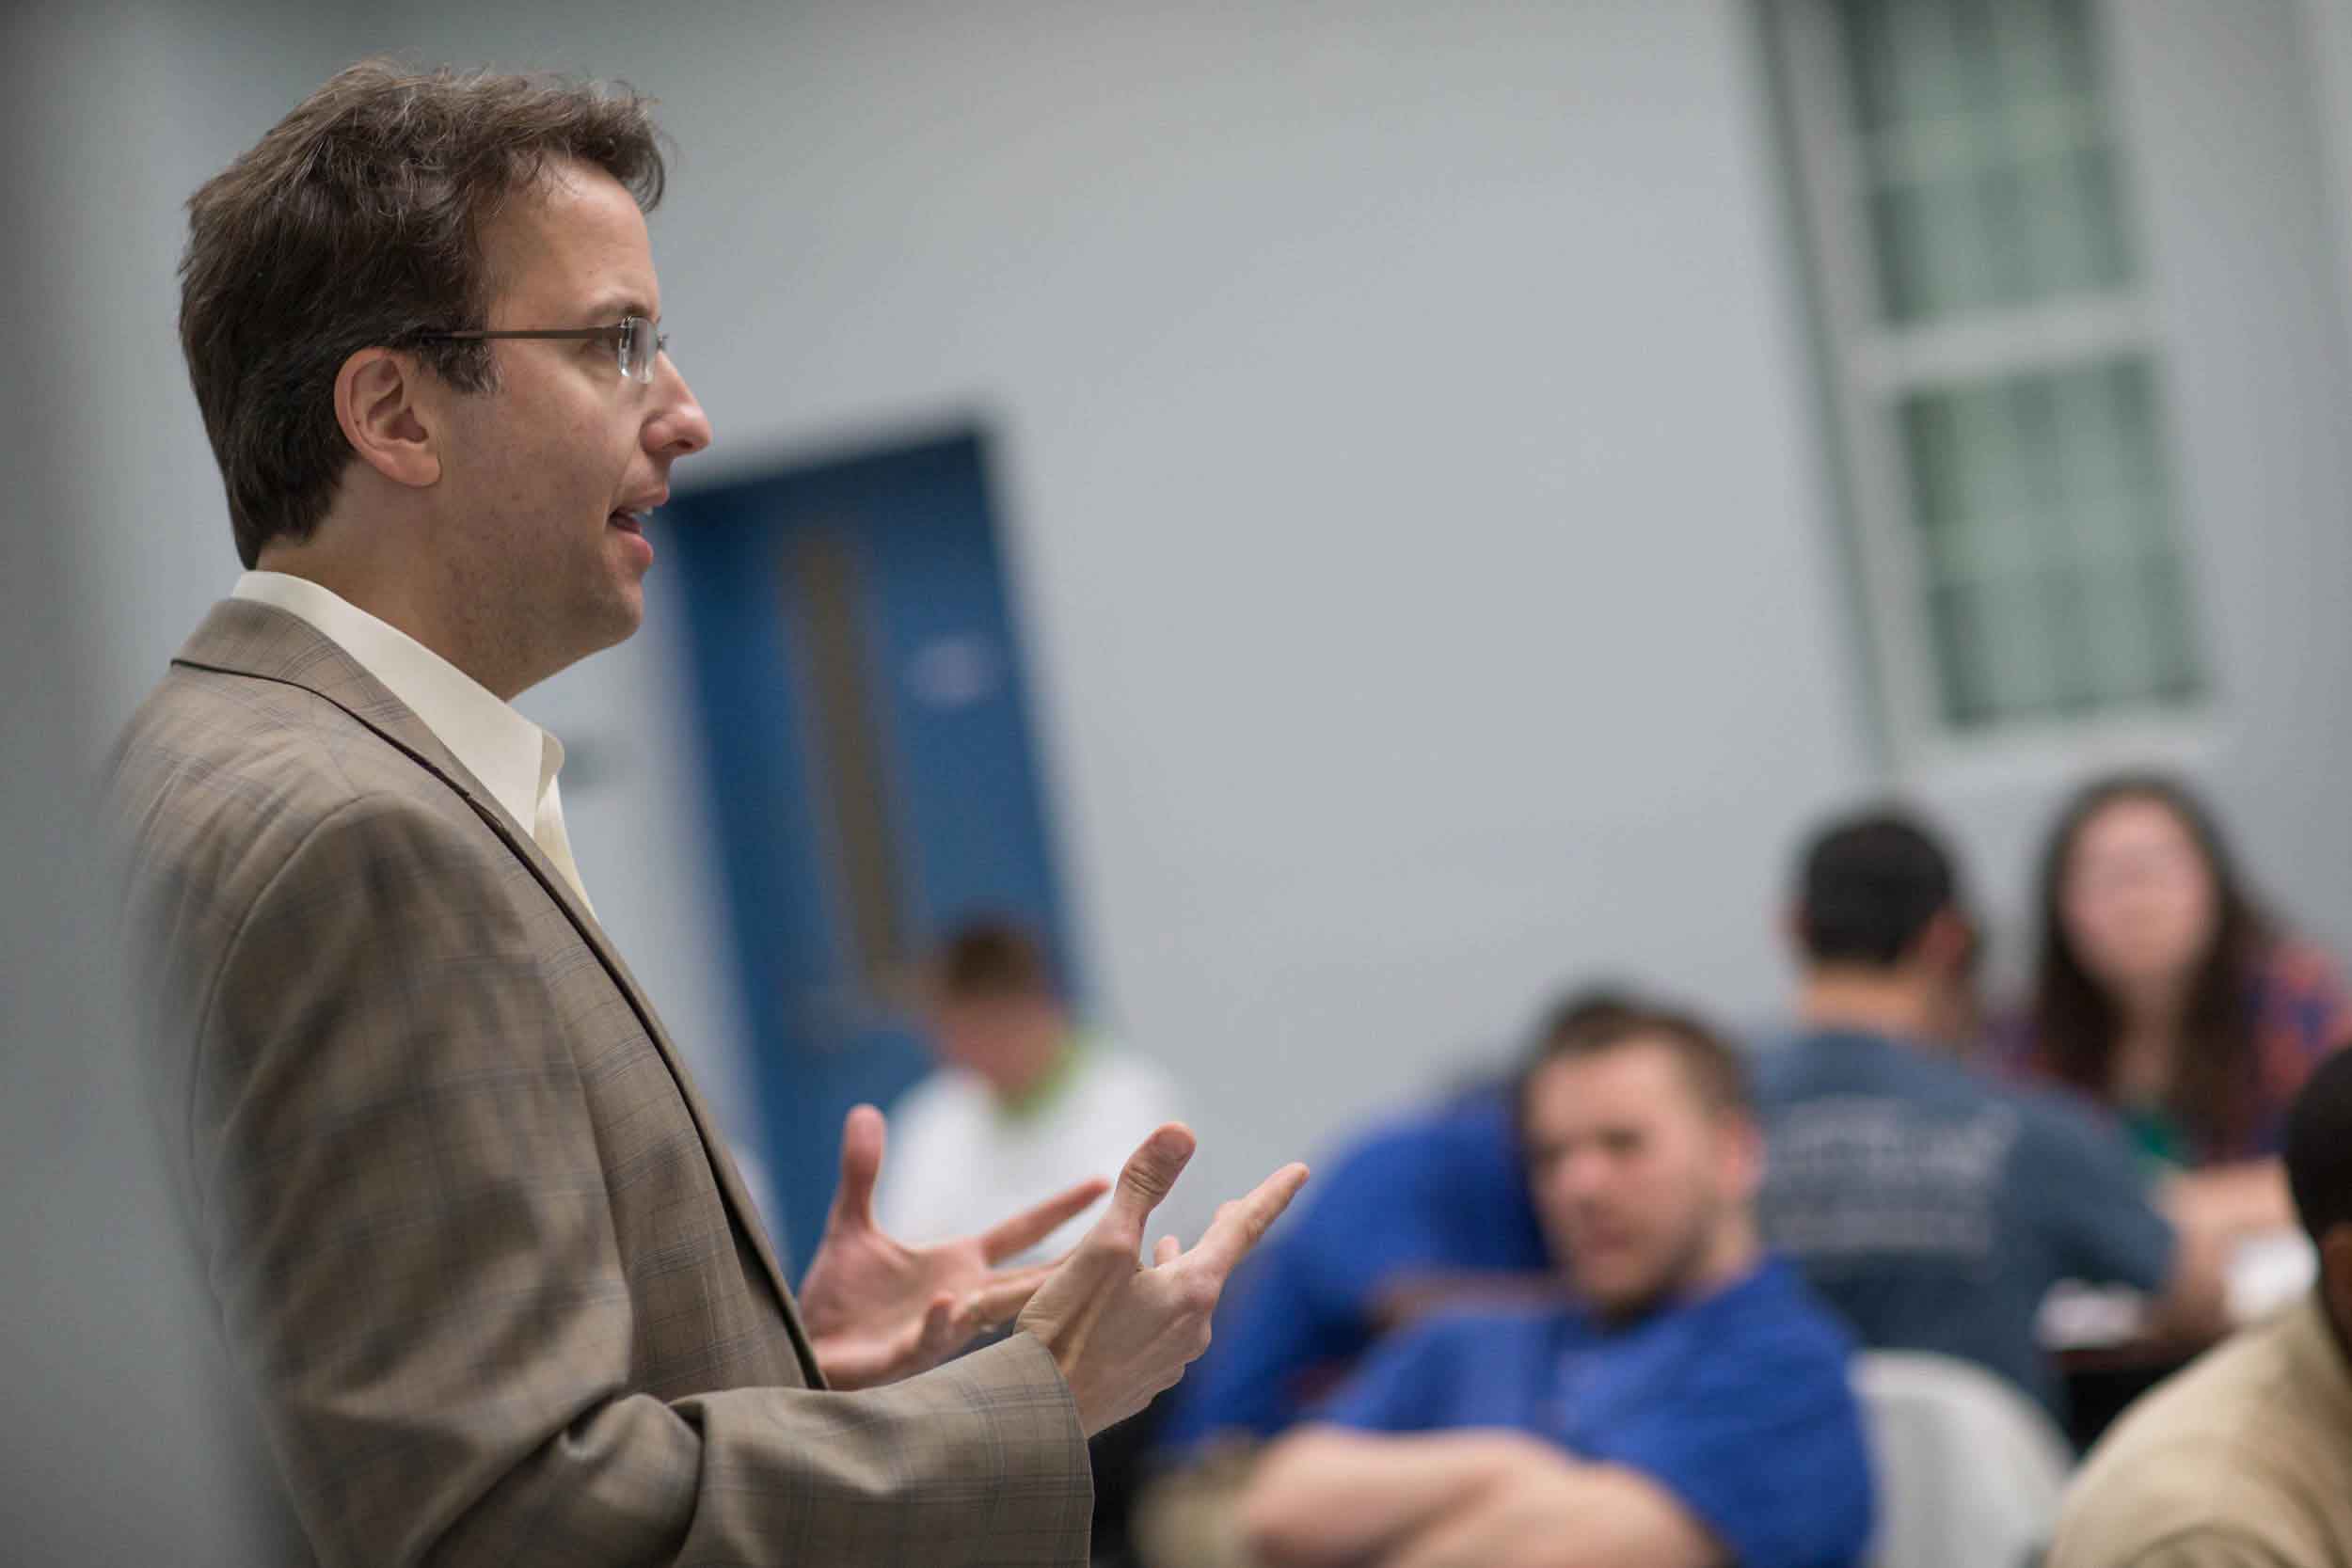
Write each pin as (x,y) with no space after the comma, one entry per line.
(1017,1235)
(1242,1223)
(861,1169)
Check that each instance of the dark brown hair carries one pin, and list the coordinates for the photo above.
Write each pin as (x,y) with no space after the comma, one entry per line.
(356,223)
(2078,1024)
(1580,1029)
(989,958)
(2319,1148)
(1868,885)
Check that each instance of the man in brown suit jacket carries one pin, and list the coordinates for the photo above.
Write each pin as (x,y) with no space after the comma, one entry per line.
(479,1254)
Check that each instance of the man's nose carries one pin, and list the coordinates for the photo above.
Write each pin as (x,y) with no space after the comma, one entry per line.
(1581,1174)
(679,428)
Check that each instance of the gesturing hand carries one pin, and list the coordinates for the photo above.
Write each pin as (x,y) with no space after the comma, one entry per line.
(1122,1333)
(877,1310)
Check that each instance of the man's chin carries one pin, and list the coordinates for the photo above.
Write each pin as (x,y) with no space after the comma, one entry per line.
(624,615)
(620,635)
(1620,1300)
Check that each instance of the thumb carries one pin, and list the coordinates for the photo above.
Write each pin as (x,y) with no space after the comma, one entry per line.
(1149,1173)
(1063,1311)
(936,1335)
(861,1167)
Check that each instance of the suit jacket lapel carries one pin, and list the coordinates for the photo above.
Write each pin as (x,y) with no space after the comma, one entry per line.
(243,638)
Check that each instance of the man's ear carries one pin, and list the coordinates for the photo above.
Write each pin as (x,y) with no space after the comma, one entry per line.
(1792,928)
(378,404)
(1947,943)
(1741,1153)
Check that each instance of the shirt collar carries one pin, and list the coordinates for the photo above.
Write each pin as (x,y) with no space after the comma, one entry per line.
(1852,1041)
(1765,1275)
(515,759)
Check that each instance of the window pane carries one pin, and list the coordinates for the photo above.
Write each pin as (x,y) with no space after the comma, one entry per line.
(1934,251)
(1960,636)
(2044,50)
(2176,675)
(2072,227)
(2123,626)
(2046,546)
(1985,144)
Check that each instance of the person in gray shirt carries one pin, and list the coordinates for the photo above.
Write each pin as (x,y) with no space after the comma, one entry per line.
(1932,1205)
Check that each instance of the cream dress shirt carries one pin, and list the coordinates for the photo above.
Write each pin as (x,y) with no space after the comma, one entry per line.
(514,758)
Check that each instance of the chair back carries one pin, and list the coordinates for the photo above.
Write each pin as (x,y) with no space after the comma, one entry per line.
(1970,1470)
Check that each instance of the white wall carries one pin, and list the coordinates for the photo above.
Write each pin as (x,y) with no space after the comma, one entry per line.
(152,100)
(1416,525)
(1419,516)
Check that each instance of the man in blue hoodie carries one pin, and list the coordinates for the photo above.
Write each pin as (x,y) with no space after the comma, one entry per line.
(1683,1400)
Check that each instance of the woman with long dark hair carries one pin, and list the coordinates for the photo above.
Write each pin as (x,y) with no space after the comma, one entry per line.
(2164,992)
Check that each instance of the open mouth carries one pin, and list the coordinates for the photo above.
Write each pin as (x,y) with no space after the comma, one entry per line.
(628,522)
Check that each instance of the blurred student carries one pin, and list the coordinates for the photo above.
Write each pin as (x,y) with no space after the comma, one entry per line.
(2166,994)
(1427,1207)
(1682,1400)
(1025,1098)
(2245,1460)
(1931,1205)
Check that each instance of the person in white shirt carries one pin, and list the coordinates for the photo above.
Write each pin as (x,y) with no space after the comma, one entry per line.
(1025,1100)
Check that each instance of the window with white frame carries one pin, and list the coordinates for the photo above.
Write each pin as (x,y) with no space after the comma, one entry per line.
(1993,363)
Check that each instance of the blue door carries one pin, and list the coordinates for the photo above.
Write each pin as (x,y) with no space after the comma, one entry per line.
(865,733)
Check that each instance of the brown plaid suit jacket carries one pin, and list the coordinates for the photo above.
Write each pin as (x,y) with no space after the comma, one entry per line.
(478,1253)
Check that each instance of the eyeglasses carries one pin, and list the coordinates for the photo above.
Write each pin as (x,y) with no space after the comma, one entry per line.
(635,343)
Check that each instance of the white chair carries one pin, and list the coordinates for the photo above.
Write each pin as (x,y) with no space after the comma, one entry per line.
(1970,1470)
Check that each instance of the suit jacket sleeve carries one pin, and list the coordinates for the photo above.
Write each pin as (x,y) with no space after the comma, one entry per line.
(406,1215)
